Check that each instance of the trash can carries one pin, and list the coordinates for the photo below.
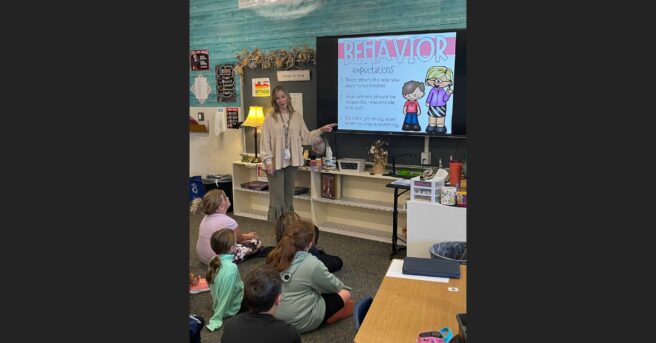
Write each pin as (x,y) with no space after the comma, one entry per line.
(196,187)
(456,251)
(222,182)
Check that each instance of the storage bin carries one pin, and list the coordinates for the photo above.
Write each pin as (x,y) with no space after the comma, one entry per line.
(196,187)
(426,190)
(456,251)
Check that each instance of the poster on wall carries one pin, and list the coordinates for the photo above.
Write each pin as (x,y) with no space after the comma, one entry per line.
(297,102)
(225,82)
(261,87)
(232,117)
(200,59)
(201,88)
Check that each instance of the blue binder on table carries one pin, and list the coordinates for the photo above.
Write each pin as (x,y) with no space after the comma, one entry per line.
(431,267)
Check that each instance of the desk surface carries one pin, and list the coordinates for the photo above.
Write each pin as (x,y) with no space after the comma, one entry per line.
(403,308)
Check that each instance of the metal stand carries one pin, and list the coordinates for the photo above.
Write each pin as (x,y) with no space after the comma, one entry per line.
(256,159)
(395,234)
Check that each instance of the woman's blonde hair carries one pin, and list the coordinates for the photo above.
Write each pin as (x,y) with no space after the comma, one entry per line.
(274,104)
(210,202)
(296,238)
(222,242)
(441,72)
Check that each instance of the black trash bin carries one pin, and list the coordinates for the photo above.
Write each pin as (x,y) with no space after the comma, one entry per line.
(456,251)
(219,181)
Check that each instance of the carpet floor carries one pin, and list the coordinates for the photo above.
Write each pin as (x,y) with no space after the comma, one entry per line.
(365,264)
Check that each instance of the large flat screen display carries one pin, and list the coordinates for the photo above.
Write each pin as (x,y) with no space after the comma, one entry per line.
(410,83)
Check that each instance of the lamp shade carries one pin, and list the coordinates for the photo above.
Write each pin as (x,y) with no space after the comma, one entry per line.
(255,117)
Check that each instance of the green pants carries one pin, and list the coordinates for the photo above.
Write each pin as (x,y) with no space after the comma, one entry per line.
(281,192)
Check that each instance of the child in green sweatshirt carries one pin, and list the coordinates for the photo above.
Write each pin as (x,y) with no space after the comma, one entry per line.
(226,287)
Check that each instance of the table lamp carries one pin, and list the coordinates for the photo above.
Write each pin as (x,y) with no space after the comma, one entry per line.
(255,119)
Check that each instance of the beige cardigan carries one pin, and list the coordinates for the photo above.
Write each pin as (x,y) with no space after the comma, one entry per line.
(273,140)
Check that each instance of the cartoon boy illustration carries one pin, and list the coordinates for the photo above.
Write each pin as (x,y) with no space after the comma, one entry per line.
(412,90)
(441,79)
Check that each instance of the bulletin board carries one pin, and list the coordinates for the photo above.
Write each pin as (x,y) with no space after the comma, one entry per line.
(307,88)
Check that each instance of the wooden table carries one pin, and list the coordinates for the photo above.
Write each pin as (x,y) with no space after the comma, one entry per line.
(403,308)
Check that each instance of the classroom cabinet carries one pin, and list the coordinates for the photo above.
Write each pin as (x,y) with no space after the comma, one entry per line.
(364,208)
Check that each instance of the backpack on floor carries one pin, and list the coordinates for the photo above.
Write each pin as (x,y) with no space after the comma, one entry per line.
(196,324)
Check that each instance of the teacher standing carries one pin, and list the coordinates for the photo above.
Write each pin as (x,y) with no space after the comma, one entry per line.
(283,136)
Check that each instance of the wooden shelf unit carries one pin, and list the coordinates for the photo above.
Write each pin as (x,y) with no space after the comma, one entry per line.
(364,210)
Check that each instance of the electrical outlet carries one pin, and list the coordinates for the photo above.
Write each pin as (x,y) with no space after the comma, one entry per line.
(426,158)
(201,116)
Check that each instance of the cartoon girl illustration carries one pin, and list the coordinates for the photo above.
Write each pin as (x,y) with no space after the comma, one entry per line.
(441,79)
(412,90)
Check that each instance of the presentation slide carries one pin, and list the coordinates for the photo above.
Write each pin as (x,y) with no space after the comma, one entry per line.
(401,83)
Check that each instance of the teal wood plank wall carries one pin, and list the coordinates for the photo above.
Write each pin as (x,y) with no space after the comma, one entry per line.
(224,29)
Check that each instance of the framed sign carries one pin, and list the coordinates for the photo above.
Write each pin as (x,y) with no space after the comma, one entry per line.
(330,186)
(225,82)
(293,75)
(232,117)
(261,87)
(200,59)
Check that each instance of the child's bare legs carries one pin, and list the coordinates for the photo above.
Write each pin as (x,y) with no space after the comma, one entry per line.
(441,128)
(193,279)
(345,295)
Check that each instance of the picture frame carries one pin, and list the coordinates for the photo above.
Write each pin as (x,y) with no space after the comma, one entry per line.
(330,187)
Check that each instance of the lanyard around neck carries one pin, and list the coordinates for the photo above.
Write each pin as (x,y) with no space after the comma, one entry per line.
(285,126)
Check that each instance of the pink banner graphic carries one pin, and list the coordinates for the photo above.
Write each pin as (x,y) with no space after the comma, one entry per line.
(425,47)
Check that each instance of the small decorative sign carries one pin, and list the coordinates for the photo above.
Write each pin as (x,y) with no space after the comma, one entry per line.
(201,88)
(261,87)
(232,117)
(200,59)
(294,75)
(225,82)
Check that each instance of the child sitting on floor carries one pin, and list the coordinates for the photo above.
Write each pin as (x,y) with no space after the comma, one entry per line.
(333,263)
(214,205)
(223,277)
(311,294)
(262,287)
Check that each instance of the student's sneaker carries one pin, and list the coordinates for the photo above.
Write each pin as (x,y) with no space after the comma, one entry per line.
(346,311)
(200,287)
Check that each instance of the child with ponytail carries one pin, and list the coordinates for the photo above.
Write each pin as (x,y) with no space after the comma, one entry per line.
(332,262)
(223,277)
(311,294)
(214,205)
